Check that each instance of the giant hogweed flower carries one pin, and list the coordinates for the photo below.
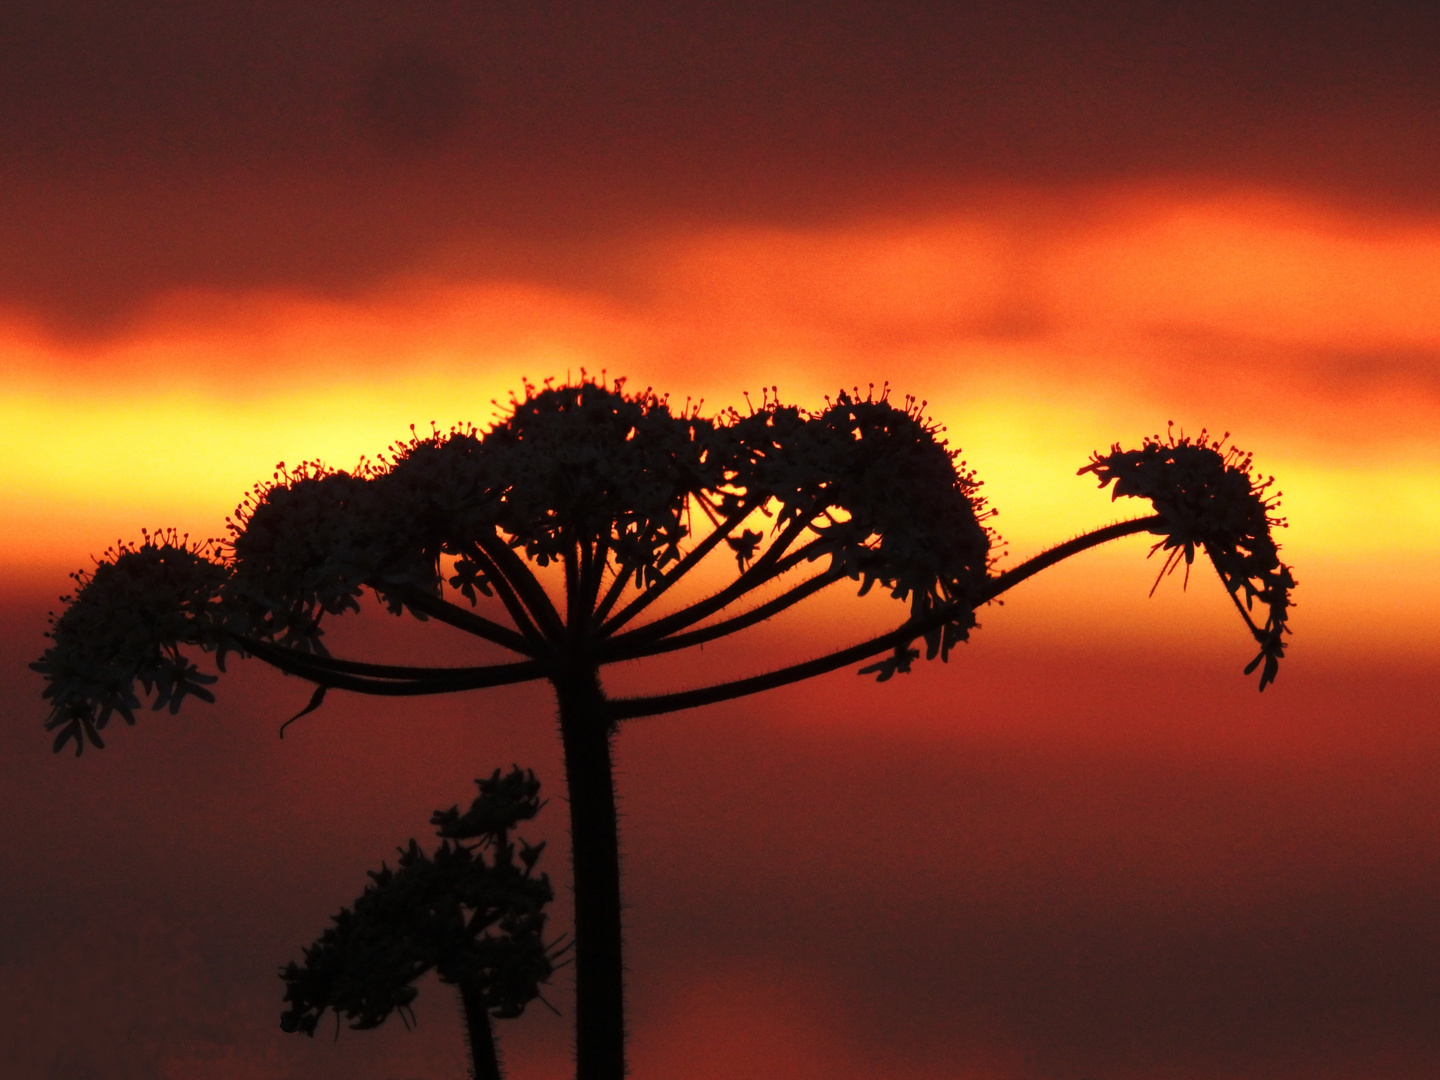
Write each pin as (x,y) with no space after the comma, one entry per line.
(883,493)
(125,624)
(1206,497)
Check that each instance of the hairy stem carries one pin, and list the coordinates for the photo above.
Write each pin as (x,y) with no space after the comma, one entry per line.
(586,729)
(1030,567)
(479,1036)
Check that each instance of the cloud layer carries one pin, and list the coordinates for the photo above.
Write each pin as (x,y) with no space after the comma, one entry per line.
(321,145)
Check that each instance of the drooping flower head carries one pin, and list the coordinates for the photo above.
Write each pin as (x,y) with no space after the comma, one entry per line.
(125,624)
(1206,496)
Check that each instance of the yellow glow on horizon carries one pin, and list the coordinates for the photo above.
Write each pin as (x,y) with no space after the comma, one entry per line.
(1037,338)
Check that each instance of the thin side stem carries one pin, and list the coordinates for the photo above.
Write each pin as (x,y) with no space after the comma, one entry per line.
(442,610)
(350,667)
(631,708)
(574,560)
(612,594)
(1235,598)
(526,584)
(683,567)
(729,626)
(599,561)
(508,597)
(761,570)
(1030,567)
(436,681)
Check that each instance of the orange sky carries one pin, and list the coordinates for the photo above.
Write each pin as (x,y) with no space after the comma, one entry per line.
(1086,847)
(1039,327)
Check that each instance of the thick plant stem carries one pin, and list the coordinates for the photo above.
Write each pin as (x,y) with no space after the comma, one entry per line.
(585,729)
(484,1058)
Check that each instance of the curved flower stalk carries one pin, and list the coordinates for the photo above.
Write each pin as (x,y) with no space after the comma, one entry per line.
(622,498)
(473,912)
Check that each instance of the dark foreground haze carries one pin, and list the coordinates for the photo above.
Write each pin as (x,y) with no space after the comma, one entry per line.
(1153,873)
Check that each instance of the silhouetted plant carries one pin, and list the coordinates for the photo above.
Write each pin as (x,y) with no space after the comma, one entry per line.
(477,922)
(623,497)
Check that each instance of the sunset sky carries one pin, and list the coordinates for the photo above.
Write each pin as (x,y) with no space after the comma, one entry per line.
(1084,849)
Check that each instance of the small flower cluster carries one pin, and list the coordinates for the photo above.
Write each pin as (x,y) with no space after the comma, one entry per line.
(583,464)
(473,912)
(125,625)
(883,492)
(299,546)
(1205,496)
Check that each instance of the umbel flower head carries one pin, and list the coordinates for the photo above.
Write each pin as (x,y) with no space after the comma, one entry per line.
(305,545)
(1206,497)
(125,625)
(884,493)
(589,463)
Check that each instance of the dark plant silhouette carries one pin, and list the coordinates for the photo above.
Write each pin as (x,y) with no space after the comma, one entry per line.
(474,913)
(567,523)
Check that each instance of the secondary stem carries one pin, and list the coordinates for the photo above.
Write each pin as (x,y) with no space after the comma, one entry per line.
(484,1057)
